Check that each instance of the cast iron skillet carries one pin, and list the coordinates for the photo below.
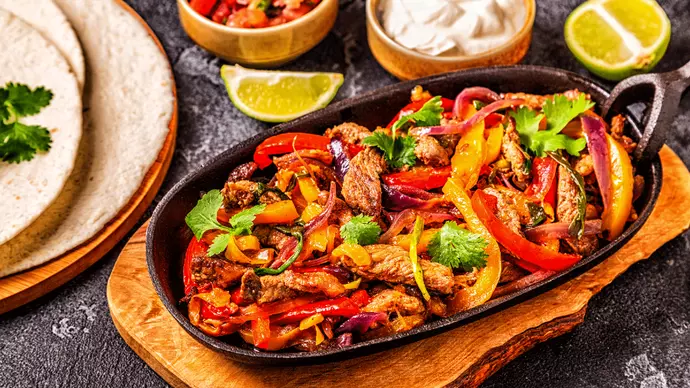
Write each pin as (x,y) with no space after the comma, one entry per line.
(167,236)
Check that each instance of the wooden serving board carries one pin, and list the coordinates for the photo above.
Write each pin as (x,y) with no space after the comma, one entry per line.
(21,288)
(465,356)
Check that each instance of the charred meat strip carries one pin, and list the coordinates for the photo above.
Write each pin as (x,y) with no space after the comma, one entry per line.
(510,148)
(361,185)
(288,284)
(566,211)
(239,194)
(348,132)
(392,301)
(219,272)
(431,152)
(341,213)
(392,264)
(617,127)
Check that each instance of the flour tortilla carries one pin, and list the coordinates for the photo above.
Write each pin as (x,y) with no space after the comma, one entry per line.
(29,187)
(129,103)
(45,17)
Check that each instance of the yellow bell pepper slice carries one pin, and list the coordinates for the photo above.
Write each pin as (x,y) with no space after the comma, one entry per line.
(359,255)
(310,191)
(283,178)
(353,285)
(493,144)
(234,253)
(248,243)
(282,212)
(311,321)
(312,210)
(470,154)
(404,240)
(416,266)
(618,211)
(319,336)
(487,279)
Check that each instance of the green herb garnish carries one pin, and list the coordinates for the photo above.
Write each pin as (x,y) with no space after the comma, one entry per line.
(20,142)
(360,230)
(398,151)
(456,247)
(204,217)
(428,115)
(559,111)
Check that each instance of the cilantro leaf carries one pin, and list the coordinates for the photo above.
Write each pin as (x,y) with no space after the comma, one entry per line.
(204,216)
(360,230)
(243,221)
(219,244)
(19,142)
(456,247)
(559,111)
(428,115)
(398,152)
(27,102)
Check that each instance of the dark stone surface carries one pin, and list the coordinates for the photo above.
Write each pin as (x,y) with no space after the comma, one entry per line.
(636,332)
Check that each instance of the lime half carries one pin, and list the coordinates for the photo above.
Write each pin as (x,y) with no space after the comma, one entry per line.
(615,39)
(279,96)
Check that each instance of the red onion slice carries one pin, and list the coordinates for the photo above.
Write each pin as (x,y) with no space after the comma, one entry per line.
(361,322)
(559,230)
(403,219)
(465,126)
(474,93)
(595,133)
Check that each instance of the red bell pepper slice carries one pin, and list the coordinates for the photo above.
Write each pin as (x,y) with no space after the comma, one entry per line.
(203,7)
(209,311)
(285,143)
(515,243)
(342,307)
(425,178)
(261,332)
(414,106)
(544,170)
(195,248)
(360,298)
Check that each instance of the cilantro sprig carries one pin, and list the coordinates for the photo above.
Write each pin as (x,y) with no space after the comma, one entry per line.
(456,247)
(20,142)
(398,151)
(428,115)
(559,111)
(203,218)
(360,230)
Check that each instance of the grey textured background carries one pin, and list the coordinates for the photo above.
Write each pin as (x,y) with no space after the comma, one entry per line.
(636,332)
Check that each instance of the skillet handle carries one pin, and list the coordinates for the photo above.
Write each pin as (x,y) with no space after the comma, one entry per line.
(664,90)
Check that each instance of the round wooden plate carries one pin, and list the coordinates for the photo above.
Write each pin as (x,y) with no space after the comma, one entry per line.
(21,288)
(462,357)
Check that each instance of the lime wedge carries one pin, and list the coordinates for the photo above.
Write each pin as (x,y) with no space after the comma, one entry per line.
(279,96)
(615,39)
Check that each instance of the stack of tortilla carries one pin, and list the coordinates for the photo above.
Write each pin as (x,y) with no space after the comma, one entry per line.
(112,104)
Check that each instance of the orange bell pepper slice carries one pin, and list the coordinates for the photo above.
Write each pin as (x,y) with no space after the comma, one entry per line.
(493,144)
(488,276)
(470,154)
(359,255)
(616,215)
(283,212)
(404,240)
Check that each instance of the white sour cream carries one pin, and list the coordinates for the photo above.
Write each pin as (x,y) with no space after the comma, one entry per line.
(452,27)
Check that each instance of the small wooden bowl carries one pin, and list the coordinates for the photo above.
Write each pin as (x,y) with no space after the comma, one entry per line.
(409,64)
(260,47)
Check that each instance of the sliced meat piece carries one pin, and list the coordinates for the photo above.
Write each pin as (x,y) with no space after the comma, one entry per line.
(341,213)
(271,196)
(361,185)
(392,301)
(243,172)
(270,237)
(566,211)
(290,284)
(510,272)
(220,272)
(392,264)
(617,128)
(239,194)
(584,165)
(250,286)
(508,212)
(510,147)
(431,152)
(348,132)
(285,161)
(437,307)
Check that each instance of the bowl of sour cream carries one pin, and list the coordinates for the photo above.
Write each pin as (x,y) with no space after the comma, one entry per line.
(417,38)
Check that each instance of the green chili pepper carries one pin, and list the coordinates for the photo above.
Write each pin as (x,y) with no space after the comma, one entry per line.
(416,268)
(295,255)
(577,227)
(263,5)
